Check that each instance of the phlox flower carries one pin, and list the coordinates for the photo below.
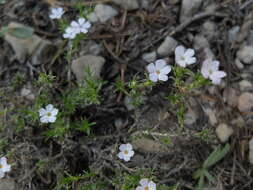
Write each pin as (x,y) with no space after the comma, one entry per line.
(81,25)
(210,70)
(159,70)
(48,115)
(56,13)
(70,33)
(146,185)
(4,167)
(184,56)
(126,152)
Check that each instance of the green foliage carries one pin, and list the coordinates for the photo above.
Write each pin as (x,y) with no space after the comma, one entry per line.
(21,32)
(206,135)
(202,173)
(83,10)
(84,126)
(3,30)
(66,182)
(2,2)
(17,81)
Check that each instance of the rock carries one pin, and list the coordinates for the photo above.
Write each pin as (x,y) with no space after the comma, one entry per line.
(146,145)
(105,12)
(190,117)
(209,30)
(251,151)
(95,63)
(232,33)
(167,47)
(145,4)
(91,48)
(92,17)
(245,54)
(239,64)
(223,132)
(230,97)
(149,57)
(127,4)
(33,46)
(201,43)
(129,103)
(245,85)
(189,8)
(27,93)
(211,115)
(7,184)
(245,102)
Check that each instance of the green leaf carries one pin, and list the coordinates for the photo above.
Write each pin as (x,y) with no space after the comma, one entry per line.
(209,176)
(2,2)
(3,31)
(216,156)
(21,32)
(200,183)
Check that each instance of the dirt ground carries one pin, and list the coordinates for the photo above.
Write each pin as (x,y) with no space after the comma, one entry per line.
(166,150)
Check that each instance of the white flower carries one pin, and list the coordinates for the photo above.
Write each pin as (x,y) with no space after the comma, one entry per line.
(146,185)
(210,69)
(80,26)
(70,33)
(184,56)
(56,13)
(126,152)
(159,70)
(4,167)
(48,115)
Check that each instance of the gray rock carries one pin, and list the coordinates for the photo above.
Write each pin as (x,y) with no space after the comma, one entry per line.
(245,85)
(127,4)
(92,48)
(189,8)
(27,93)
(232,33)
(239,64)
(33,46)
(92,17)
(245,54)
(105,12)
(251,151)
(129,103)
(190,117)
(149,57)
(167,47)
(209,30)
(211,115)
(245,102)
(95,63)
(230,96)
(7,184)
(202,44)
(224,132)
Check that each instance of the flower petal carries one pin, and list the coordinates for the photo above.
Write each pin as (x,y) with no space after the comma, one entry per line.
(126,158)
(181,63)
(121,155)
(49,107)
(153,77)
(152,185)
(44,119)
(144,182)
(217,76)
(1,174)
(179,51)
(139,188)
(151,68)
(123,147)
(166,70)
(87,25)
(130,153)
(54,112)
(52,119)
(81,21)
(160,63)
(129,146)
(205,68)
(189,53)
(74,24)
(42,111)
(163,77)
(190,60)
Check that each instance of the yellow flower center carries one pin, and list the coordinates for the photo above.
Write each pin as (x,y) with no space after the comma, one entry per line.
(146,188)
(158,72)
(126,152)
(1,166)
(210,72)
(49,114)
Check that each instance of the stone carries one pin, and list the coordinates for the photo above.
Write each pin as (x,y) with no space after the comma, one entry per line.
(223,132)
(149,57)
(245,54)
(146,145)
(211,115)
(239,64)
(245,102)
(27,93)
(167,47)
(190,117)
(105,12)
(251,151)
(245,85)
(189,8)
(33,46)
(92,17)
(129,103)
(91,48)
(7,184)
(232,33)
(200,43)
(95,63)
(230,96)
(209,30)
(127,4)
